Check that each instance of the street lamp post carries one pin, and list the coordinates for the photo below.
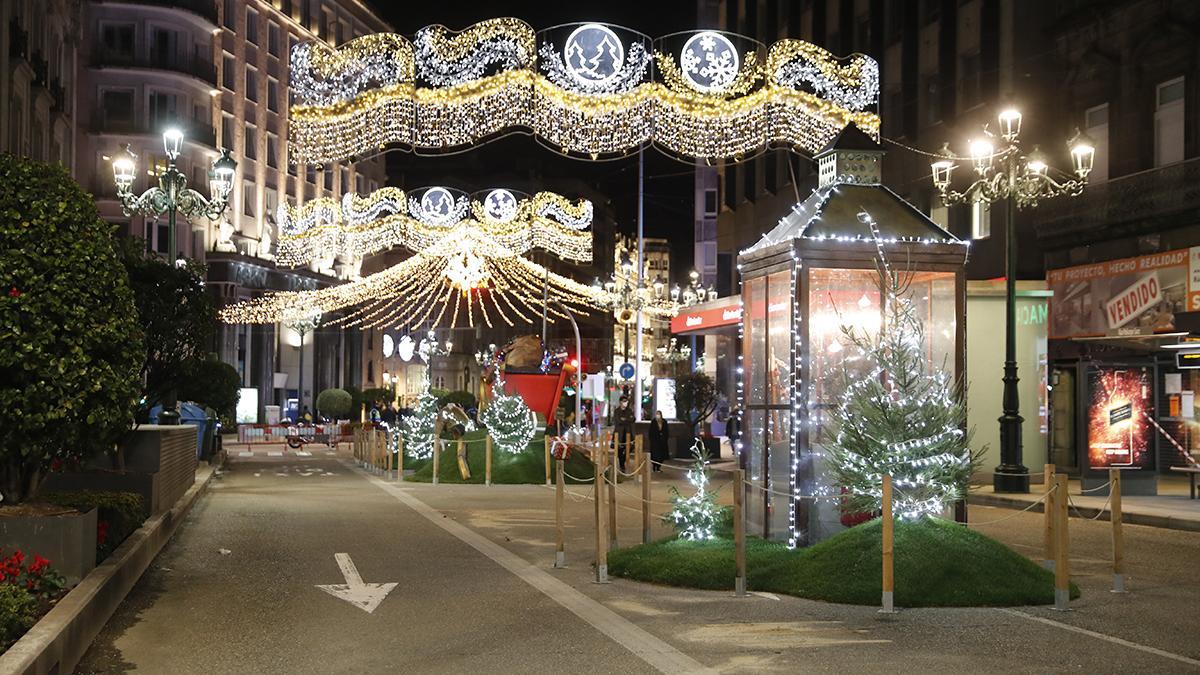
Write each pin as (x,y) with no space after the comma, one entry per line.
(627,294)
(694,294)
(1019,180)
(172,196)
(303,324)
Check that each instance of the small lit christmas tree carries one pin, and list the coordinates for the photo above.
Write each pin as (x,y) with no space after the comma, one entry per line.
(420,428)
(695,517)
(900,417)
(509,421)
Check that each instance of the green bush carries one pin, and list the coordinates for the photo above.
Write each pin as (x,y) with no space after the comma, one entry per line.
(464,399)
(212,383)
(335,403)
(120,513)
(71,347)
(371,395)
(18,613)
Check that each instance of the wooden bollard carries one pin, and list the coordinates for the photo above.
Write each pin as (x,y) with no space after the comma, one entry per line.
(889,581)
(546,442)
(560,554)
(1118,539)
(1062,538)
(598,456)
(437,458)
(739,532)
(614,468)
(645,502)
(487,461)
(1048,536)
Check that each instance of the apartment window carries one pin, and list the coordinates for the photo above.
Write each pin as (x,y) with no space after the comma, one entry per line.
(1095,123)
(231,14)
(229,71)
(750,180)
(164,46)
(710,202)
(730,185)
(292,42)
(117,39)
(251,26)
(251,84)
(345,182)
(342,32)
(272,94)
(271,199)
(227,132)
(163,110)
(1168,122)
(117,105)
(933,99)
(893,112)
(359,183)
(981,220)
(329,179)
(272,151)
(251,149)
(273,39)
(970,81)
(310,175)
(248,195)
(290,167)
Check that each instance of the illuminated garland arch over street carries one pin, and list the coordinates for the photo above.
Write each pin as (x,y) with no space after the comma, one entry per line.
(588,90)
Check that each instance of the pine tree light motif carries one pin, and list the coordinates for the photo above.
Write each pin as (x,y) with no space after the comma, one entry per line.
(695,517)
(899,417)
(420,428)
(509,421)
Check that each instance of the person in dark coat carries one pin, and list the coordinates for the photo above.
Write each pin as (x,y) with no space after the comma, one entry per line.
(623,429)
(658,441)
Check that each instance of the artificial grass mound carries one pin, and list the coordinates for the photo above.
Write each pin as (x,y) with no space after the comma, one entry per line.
(938,563)
(526,467)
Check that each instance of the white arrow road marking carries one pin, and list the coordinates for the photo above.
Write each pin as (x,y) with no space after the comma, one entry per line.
(769,596)
(274,453)
(245,453)
(362,595)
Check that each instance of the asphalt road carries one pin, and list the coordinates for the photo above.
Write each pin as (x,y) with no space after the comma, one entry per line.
(476,591)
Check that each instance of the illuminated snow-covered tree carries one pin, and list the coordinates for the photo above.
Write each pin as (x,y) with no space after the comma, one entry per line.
(420,428)
(900,416)
(509,421)
(695,517)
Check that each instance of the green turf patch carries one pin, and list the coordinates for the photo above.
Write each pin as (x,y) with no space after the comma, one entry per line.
(938,563)
(527,467)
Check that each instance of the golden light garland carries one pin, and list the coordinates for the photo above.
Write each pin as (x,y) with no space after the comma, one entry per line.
(361,225)
(800,97)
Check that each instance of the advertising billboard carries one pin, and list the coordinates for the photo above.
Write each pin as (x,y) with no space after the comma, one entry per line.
(1120,399)
(1129,296)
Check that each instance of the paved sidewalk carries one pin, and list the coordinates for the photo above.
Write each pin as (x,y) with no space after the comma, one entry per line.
(1171,509)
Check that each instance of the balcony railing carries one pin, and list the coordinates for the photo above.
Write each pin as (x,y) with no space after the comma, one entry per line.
(1158,198)
(197,68)
(197,132)
(204,8)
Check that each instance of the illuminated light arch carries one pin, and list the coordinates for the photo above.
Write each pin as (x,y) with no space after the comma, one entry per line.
(497,77)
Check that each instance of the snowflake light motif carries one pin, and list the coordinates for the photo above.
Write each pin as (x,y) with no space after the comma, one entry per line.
(709,62)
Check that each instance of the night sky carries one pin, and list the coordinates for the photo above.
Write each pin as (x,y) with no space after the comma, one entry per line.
(669,182)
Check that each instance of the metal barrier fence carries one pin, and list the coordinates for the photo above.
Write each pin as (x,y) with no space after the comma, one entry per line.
(279,433)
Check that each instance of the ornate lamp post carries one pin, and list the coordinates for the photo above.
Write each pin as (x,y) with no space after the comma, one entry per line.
(628,295)
(171,196)
(303,324)
(1019,180)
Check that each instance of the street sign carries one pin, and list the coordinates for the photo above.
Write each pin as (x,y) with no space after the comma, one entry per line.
(626,371)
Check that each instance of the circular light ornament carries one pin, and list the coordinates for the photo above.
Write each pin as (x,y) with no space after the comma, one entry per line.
(500,205)
(437,206)
(593,55)
(709,62)
(406,348)
(389,346)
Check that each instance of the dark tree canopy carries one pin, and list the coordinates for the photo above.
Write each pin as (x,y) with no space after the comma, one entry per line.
(696,397)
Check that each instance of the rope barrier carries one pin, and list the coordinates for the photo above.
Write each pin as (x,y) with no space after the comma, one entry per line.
(578,479)
(1099,513)
(1014,515)
(1100,487)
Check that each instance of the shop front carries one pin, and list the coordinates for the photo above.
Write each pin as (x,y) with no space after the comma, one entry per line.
(711,330)
(1122,382)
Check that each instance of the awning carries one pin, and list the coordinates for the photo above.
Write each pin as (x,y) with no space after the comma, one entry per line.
(714,316)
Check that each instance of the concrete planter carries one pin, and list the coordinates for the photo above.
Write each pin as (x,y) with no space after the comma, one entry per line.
(160,465)
(68,541)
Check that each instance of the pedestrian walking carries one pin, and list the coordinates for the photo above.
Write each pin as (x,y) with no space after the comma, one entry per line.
(623,429)
(659,436)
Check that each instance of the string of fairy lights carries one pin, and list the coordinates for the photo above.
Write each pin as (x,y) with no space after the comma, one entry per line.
(361,225)
(604,92)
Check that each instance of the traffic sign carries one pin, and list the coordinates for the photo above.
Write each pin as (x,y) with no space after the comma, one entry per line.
(627,371)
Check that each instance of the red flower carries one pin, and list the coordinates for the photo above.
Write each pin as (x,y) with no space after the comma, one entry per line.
(39,565)
(101,532)
(14,292)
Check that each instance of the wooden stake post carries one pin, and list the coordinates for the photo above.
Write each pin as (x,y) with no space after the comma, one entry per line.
(1049,540)
(1118,540)
(614,476)
(560,555)
(1062,568)
(546,442)
(437,458)
(598,456)
(645,502)
(739,532)
(487,461)
(889,581)
(400,459)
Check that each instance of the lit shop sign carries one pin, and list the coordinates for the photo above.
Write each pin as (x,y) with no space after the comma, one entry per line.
(727,312)
(1187,359)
